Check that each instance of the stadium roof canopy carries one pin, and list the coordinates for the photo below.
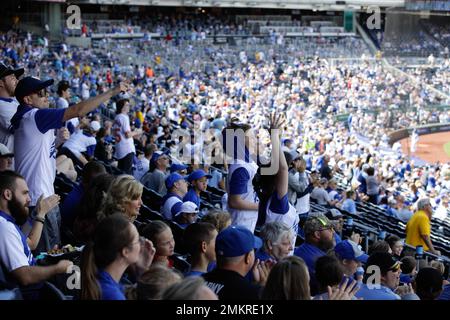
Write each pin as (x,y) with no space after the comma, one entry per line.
(274,4)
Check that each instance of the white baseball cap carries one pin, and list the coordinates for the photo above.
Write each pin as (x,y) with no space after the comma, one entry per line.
(95,125)
(4,151)
(188,207)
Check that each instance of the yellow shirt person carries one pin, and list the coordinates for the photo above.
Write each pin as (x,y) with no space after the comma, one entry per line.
(418,226)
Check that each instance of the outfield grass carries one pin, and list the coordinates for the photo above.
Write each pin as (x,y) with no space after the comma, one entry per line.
(447,148)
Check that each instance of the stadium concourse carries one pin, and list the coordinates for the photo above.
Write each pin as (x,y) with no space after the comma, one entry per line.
(176,167)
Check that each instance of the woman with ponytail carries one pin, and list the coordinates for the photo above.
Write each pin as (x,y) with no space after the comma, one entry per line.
(273,189)
(116,246)
(241,201)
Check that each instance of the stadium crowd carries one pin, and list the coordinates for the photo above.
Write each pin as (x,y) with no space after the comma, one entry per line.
(86,155)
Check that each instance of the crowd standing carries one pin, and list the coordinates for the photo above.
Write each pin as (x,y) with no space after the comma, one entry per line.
(169,138)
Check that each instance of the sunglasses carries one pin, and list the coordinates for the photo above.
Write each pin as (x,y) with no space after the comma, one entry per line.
(42,93)
(395,267)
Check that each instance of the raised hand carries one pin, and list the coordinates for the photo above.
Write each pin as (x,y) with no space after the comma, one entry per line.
(44,206)
(404,290)
(261,270)
(146,255)
(346,291)
(277,121)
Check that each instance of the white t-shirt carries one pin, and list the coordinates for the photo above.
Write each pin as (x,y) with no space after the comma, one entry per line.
(12,254)
(321,195)
(281,210)
(34,148)
(142,167)
(81,142)
(171,206)
(62,103)
(85,91)
(125,145)
(72,125)
(244,177)
(8,107)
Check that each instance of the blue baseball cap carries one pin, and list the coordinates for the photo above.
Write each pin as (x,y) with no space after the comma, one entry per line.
(177,167)
(29,85)
(172,178)
(156,155)
(349,250)
(236,241)
(198,174)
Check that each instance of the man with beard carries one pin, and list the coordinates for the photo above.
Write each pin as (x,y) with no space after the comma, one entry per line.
(16,259)
(319,238)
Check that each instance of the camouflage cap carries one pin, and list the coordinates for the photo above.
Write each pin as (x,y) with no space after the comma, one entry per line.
(316,223)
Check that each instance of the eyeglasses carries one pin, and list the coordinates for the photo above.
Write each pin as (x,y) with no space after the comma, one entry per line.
(141,240)
(324,229)
(42,93)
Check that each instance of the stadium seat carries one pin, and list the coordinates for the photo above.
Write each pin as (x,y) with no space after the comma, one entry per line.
(147,213)
(152,199)
(180,262)
(178,235)
(50,292)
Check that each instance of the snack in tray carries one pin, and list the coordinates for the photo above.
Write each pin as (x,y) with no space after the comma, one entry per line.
(66,249)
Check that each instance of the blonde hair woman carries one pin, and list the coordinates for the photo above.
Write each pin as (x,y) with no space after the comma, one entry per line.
(124,195)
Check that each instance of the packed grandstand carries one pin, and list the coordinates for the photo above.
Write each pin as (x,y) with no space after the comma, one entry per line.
(202,155)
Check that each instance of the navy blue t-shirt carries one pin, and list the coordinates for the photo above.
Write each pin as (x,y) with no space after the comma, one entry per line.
(70,205)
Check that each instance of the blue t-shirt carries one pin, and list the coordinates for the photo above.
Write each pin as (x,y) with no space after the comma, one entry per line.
(445,295)
(337,238)
(111,290)
(239,180)
(349,206)
(211,266)
(280,206)
(309,254)
(377,293)
(406,278)
(262,255)
(192,196)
